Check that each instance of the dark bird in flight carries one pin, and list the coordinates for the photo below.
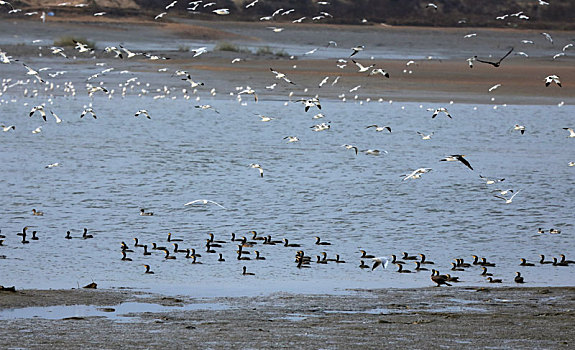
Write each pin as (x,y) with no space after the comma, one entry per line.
(495,64)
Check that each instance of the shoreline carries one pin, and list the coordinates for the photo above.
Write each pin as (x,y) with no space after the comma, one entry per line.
(455,317)
(427,80)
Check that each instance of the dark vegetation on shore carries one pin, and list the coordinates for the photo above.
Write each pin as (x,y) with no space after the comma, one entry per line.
(462,13)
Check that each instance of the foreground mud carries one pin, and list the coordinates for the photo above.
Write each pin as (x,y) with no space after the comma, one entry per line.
(501,318)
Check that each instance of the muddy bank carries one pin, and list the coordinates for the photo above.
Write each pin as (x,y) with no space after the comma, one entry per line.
(443,77)
(527,318)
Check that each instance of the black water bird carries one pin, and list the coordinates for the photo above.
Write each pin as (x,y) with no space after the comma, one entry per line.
(495,64)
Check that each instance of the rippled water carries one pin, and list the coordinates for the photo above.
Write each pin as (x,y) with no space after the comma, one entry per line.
(115,165)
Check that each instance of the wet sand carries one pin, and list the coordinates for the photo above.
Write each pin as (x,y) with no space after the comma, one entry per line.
(501,318)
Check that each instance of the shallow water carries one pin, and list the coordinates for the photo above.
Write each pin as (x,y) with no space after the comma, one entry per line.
(115,165)
(124,312)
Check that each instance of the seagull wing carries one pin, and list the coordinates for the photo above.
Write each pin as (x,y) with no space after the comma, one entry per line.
(218,204)
(383,261)
(410,175)
(464,161)
(194,202)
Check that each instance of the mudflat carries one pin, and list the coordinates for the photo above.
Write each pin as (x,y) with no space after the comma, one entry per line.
(501,318)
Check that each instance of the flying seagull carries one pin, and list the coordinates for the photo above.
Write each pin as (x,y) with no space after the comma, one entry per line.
(552,79)
(7,128)
(495,64)
(457,157)
(204,201)
(280,75)
(291,139)
(416,174)
(548,37)
(439,110)
(259,167)
(379,128)
(310,102)
(40,109)
(508,200)
(88,110)
(34,73)
(357,49)
(144,112)
(379,71)
(490,181)
(425,137)
(571,132)
(350,147)
(363,68)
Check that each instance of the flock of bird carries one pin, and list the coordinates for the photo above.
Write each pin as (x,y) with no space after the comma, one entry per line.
(244,250)
(39,82)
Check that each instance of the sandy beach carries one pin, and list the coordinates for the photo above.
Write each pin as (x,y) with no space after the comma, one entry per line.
(426,318)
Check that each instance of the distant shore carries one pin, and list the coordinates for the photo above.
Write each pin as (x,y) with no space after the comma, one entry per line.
(434,80)
(526,318)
